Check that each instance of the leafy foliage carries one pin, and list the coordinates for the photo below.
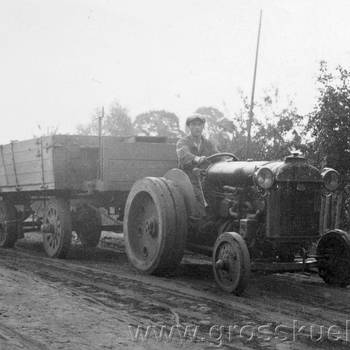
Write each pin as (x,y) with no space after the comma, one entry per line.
(219,129)
(329,123)
(212,116)
(117,122)
(158,123)
(277,128)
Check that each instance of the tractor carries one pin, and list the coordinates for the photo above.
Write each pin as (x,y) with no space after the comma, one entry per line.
(255,216)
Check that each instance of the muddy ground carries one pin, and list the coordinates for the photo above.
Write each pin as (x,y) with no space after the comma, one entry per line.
(95,300)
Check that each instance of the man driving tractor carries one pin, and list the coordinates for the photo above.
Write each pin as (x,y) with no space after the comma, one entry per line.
(192,151)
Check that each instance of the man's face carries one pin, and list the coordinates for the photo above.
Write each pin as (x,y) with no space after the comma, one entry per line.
(196,127)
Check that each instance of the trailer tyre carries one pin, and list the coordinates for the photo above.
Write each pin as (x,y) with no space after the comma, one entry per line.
(155,225)
(57,228)
(231,263)
(8,225)
(87,225)
(333,257)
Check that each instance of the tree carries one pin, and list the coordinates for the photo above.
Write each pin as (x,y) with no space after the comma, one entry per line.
(329,122)
(218,128)
(212,116)
(157,123)
(117,122)
(277,128)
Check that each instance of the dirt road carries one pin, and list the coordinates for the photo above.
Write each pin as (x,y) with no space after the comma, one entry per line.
(95,300)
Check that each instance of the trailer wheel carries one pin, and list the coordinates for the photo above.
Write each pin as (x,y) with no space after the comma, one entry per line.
(87,225)
(8,224)
(231,263)
(333,252)
(155,225)
(57,228)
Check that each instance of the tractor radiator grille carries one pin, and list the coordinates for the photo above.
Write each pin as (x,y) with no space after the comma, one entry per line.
(299,209)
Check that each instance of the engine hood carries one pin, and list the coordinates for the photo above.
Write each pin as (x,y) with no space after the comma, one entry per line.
(240,173)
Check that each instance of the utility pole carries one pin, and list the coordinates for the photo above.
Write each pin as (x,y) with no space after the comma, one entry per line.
(251,108)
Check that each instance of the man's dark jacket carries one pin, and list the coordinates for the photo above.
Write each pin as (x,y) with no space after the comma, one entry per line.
(187,150)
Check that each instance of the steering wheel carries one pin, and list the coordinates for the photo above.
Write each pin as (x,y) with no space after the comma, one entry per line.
(202,168)
(213,157)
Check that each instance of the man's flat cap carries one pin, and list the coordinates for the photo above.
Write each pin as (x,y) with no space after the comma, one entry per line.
(194,117)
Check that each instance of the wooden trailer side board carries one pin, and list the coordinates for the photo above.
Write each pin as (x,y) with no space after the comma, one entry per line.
(125,163)
(67,162)
(59,162)
(26,165)
(75,160)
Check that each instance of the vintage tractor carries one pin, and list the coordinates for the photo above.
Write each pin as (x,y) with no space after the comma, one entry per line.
(254,215)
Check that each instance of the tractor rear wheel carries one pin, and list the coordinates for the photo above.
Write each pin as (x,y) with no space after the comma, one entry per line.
(231,263)
(155,225)
(8,224)
(180,220)
(333,257)
(57,228)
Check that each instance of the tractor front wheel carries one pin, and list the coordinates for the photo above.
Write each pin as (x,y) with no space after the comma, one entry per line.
(333,257)
(231,263)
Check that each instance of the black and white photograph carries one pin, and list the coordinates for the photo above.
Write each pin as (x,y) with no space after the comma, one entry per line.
(174,174)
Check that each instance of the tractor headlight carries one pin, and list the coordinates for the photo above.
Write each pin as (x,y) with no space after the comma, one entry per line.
(264,178)
(331,179)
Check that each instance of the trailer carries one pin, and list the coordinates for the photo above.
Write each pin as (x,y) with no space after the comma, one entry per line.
(65,183)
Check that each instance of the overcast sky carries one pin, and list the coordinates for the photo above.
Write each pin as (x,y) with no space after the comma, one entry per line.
(61,59)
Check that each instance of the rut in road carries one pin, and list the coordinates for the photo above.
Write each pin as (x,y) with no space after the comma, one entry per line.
(17,340)
(170,301)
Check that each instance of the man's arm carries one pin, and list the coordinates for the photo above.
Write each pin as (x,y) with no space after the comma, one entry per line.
(184,156)
(186,159)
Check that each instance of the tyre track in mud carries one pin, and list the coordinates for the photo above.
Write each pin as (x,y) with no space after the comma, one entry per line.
(270,300)
(16,340)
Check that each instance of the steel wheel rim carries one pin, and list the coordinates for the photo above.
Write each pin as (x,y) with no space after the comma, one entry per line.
(144,229)
(227,265)
(53,237)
